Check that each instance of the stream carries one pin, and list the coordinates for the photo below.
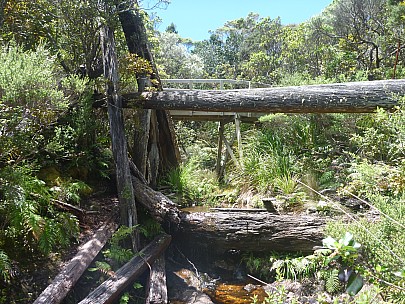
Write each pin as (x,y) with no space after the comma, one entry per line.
(224,283)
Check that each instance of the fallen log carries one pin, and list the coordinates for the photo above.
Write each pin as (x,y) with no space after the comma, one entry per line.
(211,233)
(351,97)
(157,288)
(218,232)
(67,278)
(109,290)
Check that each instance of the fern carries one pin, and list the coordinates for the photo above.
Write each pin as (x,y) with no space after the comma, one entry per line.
(332,282)
(29,215)
(5,267)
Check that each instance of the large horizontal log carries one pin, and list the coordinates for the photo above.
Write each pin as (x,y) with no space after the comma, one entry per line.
(71,273)
(352,97)
(219,232)
(110,289)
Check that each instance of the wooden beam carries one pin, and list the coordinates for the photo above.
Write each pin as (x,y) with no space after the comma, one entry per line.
(67,278)
(219,154)
(352,97)
(110,289)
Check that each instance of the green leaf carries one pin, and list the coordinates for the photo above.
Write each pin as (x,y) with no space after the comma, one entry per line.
(137,285)
(355,284)
(346,239)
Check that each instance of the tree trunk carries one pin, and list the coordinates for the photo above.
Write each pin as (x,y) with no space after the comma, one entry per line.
(137,42)
(159,206)
(352,97)
(216,233)
(3,4)
(71,273)
(128,215)
(109,290)
(141,138)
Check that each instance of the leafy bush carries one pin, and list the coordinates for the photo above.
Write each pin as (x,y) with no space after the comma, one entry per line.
(29,99)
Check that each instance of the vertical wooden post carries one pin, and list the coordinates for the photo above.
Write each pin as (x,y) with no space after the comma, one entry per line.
(238,137)
(219,154)
(128,215)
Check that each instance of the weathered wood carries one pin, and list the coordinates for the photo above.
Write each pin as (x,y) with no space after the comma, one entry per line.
(218,232)
(67,278)
(110,289)
(128,215)
(352,97)
(157,288)
(139,152)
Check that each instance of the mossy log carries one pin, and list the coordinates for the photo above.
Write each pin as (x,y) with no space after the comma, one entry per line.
(351,97)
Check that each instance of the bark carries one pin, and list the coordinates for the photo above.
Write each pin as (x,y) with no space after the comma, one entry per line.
(3,4)
(128,215)
(159,206)
(154,153)
(141,138)
(353,97)
(157,288)
(71,273)
(109,290)
(218,232)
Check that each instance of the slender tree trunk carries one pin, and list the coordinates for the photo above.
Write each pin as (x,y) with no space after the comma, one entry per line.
(125,190)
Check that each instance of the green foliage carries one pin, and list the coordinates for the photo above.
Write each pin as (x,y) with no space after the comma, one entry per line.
(28,213)
(5,267)
(116,252)
(191,183)
(29,99)
(332,282)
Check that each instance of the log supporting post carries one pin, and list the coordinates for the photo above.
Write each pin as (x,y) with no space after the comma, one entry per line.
(220,143)
(239,137)
(128,213)
(157,288)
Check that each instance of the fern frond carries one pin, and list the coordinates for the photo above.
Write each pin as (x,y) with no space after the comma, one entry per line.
(332,282)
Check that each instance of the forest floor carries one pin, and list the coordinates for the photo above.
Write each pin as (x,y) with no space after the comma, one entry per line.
(36,272)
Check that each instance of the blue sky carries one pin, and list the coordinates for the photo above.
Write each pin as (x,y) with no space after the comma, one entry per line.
(195,18)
